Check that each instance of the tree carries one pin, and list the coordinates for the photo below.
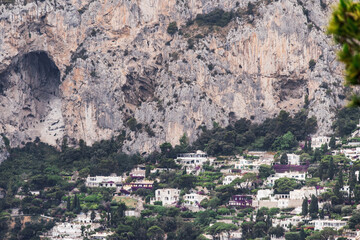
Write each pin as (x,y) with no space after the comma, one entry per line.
(354,220)
(277,231)
(265,171)
(4,222)
(284,159)
(352,183)
(322,213)
(188,231)
(247,229)
(314,206)
(274,211)
(155,233)
(268,222)
(306,103)
(305,157)
(305,204)
(167,149)
(83,230)
(214,202)
(172,28)
(324,148)
(331,169)
(346,121)
(285,142)
(220,227)
(345,28)
(332,143)
(167,163)
(248,178)
(92,215)
(68,204)
(312,182)
(292,236)
(147,171)
(118,213)
(302,234)
(74,204)
(285,185)
(317,155)
(312,64)
(260,229)
(338,196)
(341,178)
(186,181)
(64,145)
(184,141)
(326,233)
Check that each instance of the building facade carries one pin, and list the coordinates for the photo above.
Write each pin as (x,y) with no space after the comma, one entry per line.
(168,196)
(241,201)
(103,181)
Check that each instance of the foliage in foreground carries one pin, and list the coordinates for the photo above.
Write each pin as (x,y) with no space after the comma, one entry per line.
(345,27)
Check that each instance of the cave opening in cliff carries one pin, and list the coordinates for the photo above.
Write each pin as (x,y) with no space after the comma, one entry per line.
(36,72)
(35,78)
(43,76)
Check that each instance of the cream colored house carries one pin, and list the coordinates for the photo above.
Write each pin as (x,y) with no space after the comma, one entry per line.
(168,196)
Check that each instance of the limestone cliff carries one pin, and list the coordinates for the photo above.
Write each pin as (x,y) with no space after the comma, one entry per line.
(94,69)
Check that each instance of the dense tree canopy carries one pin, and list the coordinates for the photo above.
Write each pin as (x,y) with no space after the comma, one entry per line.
(284,130)
(285,185)
(345,27)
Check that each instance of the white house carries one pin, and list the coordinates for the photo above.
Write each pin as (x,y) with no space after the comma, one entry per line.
(257,153)
(270,181)
(264,193)
(316,142)
(353,144)
(101,235)
(155,170)
(103,181)
(86,218)
(346,189)
(72,230)
(320,224)
(305,192)
(228,179)
(168,196)
(132,213)
(287,222)
(245,164)
(253,165)
(193,199)
(138,172)
(192,159)
(278,203)
(352,153)
(35,193)
(293,159)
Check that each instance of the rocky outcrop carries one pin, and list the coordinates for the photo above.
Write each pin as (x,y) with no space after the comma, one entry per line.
(87,69)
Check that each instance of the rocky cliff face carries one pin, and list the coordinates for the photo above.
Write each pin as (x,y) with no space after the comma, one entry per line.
(94,69)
